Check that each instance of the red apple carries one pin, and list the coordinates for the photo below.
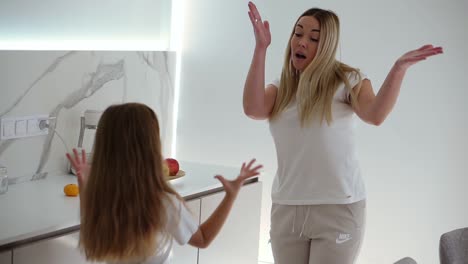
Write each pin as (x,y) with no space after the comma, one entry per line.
(165,169)
(173,165)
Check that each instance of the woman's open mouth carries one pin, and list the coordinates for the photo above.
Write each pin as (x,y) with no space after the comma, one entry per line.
(300,56)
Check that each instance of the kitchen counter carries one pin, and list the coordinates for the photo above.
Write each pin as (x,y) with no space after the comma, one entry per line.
(38,210)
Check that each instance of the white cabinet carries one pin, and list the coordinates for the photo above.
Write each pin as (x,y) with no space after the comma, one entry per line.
(186,254)
(240,232)
(5,257)
(63,249)
(238,240)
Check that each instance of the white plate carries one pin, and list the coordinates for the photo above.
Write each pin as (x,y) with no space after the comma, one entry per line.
(180,173)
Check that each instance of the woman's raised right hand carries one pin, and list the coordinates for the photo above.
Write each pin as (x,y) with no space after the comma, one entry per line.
(261,28)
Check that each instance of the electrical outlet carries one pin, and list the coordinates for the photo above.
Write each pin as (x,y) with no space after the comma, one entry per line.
(19,127)
(33,126)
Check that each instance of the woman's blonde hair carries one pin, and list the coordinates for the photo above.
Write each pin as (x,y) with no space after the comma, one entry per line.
(123,213)
(313,89)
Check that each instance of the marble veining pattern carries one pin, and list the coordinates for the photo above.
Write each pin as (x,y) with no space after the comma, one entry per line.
(111,76)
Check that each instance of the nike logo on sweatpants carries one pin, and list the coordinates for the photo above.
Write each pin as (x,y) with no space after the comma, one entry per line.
(343,238)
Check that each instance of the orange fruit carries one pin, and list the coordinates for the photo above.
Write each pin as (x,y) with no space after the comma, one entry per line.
(71,190)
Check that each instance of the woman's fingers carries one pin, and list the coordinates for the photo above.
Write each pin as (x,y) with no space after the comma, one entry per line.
(252,18)
(431,51)
(255,15)
(426,51)
(254,10)
(428,46)
(420,54)
(255,22)
(266,25)
(424,54)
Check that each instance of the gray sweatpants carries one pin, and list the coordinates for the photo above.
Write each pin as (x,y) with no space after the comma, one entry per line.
(317,234)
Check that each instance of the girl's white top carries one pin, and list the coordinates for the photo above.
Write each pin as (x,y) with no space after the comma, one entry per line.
(181,225)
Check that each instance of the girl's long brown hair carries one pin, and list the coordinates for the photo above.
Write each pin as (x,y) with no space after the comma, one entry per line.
(122,213)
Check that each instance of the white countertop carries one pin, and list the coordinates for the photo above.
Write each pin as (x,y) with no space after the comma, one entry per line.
(36,210)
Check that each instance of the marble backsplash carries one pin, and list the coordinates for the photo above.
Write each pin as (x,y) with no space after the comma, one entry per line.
(62,85)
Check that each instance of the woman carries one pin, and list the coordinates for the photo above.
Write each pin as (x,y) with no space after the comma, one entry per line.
(318,194)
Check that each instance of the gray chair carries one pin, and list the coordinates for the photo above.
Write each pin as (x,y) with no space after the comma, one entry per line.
(406,260)
(453,247)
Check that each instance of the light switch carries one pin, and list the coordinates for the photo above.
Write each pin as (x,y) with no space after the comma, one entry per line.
(8,129)
(20,128)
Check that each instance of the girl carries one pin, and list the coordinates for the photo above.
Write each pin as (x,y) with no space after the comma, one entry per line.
(129,213)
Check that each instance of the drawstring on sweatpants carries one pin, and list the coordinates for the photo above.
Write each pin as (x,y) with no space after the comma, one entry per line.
(303,224)
(294,218)
(305,220)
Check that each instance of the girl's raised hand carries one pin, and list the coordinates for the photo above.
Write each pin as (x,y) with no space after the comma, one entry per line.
(80,164)
(246,172)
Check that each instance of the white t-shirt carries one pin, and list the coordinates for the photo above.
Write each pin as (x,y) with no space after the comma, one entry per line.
(181,225)
(317,164)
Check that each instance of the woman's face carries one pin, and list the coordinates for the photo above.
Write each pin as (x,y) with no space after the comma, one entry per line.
(304,42)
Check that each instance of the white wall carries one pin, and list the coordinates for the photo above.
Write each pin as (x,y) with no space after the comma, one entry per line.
(414,165)
(69,22)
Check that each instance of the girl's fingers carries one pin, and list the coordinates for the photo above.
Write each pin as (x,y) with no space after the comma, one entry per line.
(72,161)
(257,168)
(250,176)
(250,163)
(221,179)
(83,156)
(76,156)
(251,173)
